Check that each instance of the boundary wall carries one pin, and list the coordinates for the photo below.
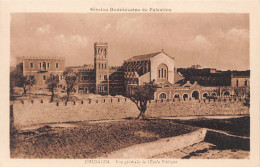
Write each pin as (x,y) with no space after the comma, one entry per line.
(31,112)
(192,107)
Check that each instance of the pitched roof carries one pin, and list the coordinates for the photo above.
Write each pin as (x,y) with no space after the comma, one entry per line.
(145,56)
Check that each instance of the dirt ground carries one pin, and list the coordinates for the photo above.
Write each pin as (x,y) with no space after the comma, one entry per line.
(91,140)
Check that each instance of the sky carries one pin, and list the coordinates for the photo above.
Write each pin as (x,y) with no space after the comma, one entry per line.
(211,40)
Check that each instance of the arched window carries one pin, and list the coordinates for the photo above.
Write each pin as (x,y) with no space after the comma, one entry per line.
(185,96)
(205,95)
(162,96)
(195,94)
(176,96)
(213,94)
(226,93)
(162,71)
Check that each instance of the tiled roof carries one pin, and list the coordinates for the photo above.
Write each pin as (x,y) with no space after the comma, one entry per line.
(145,56)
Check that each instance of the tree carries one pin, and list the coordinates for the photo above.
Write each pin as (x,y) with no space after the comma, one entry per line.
(70,78)
(19,80)
(52,83)
(142,94)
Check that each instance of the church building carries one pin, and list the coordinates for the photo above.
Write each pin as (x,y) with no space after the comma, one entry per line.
(141,69)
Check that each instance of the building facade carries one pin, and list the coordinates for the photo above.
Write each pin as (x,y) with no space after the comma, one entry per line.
(141,69)
(206,83)
(40,68)
(100,78)
(158,67)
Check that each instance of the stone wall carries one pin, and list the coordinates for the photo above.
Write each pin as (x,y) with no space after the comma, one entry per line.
(191,107)
(28,113)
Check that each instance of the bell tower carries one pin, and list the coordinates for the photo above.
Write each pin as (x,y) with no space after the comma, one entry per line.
(101,67)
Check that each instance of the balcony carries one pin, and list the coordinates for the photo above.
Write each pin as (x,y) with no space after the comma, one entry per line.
(43,70)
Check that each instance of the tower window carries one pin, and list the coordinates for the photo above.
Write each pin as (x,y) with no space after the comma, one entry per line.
(40,65)
(105,77)
(31,65)
(159,73)
(237,83)
(48,65)
(57,65)
(99,65)
(102,66)
(105,66)
(44,77)
(245,83)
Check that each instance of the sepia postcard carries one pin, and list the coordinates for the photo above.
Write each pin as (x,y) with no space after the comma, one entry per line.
(109,83)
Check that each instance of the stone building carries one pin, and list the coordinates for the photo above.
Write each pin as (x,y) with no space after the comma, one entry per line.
(86,81)
(206,83)
(101,67)
(157,67)
(40,68)
(100,78)
(240,79)
(116,80)
(206,76)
